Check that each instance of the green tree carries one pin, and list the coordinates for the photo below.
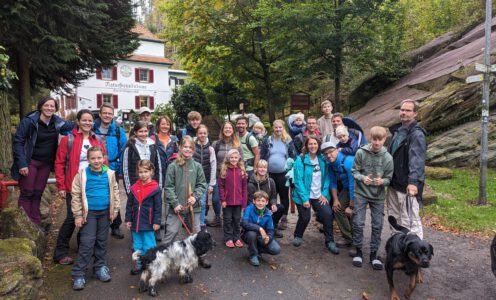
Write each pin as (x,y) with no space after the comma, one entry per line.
(227,97)
(6,76)
(188,98)
(59,42)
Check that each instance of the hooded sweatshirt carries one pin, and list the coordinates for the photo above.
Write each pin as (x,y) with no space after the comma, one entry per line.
(375,165)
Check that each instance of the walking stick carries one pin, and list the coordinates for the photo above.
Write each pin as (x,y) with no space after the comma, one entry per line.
(191,210)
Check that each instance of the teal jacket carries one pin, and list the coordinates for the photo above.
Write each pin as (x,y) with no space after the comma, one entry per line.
(303,173)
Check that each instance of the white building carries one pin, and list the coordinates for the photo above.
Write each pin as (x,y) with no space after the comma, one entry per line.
(143,79)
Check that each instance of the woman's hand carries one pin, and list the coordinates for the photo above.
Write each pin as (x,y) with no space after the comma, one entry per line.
(78,222)
(306,204)
(323,200)
(128,225)
(24,171)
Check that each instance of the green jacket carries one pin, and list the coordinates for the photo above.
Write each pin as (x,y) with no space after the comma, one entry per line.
(376,165)
(178,181)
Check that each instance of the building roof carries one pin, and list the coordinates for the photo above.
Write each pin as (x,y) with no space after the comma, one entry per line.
(145,34)
(150,59)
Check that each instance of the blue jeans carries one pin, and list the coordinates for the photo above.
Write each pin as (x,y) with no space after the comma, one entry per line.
(203,203)
(377,219)
(256,244)
(143,241)
(216,199)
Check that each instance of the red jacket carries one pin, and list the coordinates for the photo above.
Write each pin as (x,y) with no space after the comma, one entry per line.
(233,188)
(64,179)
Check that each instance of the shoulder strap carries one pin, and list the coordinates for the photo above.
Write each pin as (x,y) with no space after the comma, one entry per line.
(118,135)
(70,142)
(184,132)
(247,140)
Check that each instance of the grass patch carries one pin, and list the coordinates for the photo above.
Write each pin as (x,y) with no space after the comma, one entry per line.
(454,210)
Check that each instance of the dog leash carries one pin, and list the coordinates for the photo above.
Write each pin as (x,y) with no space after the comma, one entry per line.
(184,223)
(409,208)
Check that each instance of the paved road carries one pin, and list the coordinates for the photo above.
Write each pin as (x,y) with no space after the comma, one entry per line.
(460,269)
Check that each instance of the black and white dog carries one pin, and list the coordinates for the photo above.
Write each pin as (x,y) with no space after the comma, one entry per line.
(180,256)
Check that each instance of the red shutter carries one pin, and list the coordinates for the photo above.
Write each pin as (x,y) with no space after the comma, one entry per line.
(115,101)
(99,73)
(114,73)
(137,102)
(99,100)
(136,75)
(150,76)
(151,102)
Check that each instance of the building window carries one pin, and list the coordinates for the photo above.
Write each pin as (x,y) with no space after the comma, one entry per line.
(107,73)
(107,98)
(143,75)
(141,101)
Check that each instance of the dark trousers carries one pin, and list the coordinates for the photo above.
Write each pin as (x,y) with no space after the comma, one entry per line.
(118,220)
(32,187)
(282,189)
(324,216)
(256,244)
(277,215)
(232,217)
(65,232)
(93,242)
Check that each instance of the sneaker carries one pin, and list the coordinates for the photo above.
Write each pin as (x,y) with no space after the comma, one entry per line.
(102,274)
(283,223)
(297,241)
(66,260)
(357,261)
(116,233)
(229,244)
(331,246)
(78,283)
(239,244)
(374,260)
(254,261)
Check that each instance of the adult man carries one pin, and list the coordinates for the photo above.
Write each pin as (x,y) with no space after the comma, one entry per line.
(408,148)
(249,144)
(342,189)
(114,139)
(312,129)
(145,115)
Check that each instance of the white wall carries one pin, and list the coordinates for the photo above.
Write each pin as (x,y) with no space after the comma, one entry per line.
(150,49)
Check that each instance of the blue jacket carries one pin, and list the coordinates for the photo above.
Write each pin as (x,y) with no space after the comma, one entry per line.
(25,139)
(267,145)
(252,221)
(114,147)
(166,153)
(303,175)
(340,170)
(145,215)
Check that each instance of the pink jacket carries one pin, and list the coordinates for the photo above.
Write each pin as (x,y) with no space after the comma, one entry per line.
(233,188)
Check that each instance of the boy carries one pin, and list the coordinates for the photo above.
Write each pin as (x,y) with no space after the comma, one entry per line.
(259,229)
(348,144)
(325,122)
(372,170)
(194,120)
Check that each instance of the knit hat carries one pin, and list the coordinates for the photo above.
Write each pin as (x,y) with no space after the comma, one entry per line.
(342,130)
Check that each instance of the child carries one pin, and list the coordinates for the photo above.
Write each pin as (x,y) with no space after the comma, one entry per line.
(348,145)
(296,124)
(140,147)
(233,195)
(95,202)
(372,170)
(259,132)
(325,122)
(143,210)
(259,229)
(194,120)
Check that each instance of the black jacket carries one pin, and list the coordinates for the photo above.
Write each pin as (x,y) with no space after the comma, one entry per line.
(130,160)
(268,186)
(409,159)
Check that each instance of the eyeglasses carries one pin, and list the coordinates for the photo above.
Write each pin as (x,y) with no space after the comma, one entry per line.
(406,110)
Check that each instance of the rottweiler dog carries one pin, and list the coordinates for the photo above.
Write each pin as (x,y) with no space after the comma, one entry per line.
(406,251)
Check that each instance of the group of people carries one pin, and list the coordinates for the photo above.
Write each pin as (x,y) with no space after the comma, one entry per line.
(250,176)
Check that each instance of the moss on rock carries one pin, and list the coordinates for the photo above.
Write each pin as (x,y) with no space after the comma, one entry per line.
(438,173)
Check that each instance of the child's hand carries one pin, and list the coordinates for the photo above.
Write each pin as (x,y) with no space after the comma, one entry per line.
(156,227)
(178,209)
(266,239)
(368,180)
(224,204)
(79,222)
(378,181)
(128,225)
(191,200)
(210,189)
(273,208)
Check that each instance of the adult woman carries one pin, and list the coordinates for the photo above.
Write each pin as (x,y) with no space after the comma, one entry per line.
(227,141)
(71,157)
(276,149)
(166,142)
(34,148)
(311,179)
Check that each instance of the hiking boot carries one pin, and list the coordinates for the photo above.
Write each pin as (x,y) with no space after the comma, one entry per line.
(283,223)
(331,246)
(116,233)
(297,241)
(204,262)
(102,274)
(358,259)
(78,283)
(66,260)
(374,260)
(254,261)
(216,222)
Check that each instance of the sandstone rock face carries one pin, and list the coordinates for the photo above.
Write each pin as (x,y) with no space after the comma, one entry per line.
(21,271)
(449,106)
(49,195)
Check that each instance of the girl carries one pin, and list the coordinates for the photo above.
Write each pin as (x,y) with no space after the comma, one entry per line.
(140,147)
(260,181)
(276,149)
(95,203)
(311,180)
(205,156)
(143,210)
(227,140)
(185,185)
(233,195)
(34,147)
(72,156)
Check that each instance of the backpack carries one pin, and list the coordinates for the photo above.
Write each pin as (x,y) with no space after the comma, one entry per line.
(70,142)
(247,140)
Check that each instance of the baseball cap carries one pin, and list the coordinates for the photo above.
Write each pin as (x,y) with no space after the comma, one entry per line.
(144,109)
(327,145)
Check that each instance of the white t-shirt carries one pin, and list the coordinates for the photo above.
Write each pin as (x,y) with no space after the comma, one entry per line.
(316,187)
(83,159)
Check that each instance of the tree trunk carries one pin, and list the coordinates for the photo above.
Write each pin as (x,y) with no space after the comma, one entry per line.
(25,103)
(5,134)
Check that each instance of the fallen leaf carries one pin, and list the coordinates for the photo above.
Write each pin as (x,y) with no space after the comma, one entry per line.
(244,294)
(132,287)
(279,292)
(273,267)
(365,296)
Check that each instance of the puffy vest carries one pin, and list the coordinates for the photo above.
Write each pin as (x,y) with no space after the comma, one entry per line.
(202,156)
